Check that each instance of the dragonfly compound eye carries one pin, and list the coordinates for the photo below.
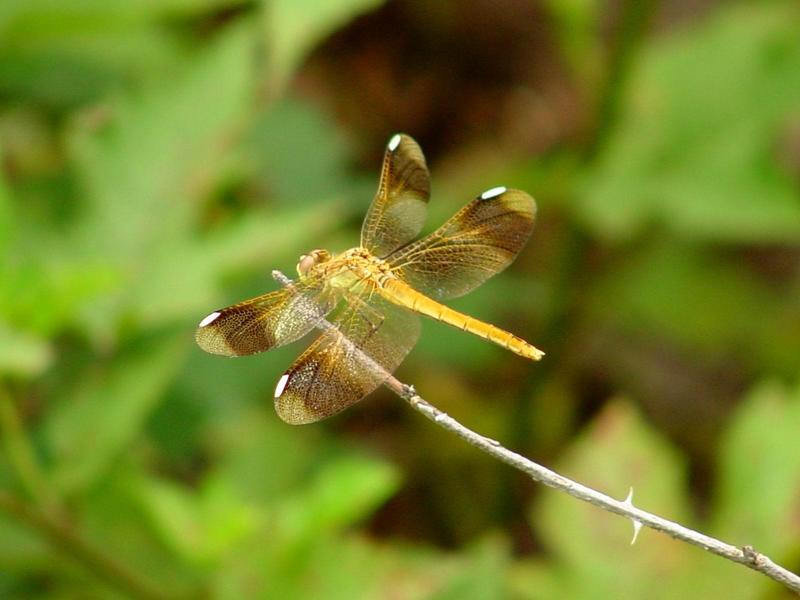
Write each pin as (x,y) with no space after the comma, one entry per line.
(306,262)
(310,260)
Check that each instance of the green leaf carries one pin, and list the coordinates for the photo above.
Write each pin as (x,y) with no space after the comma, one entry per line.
(248,442)
(144,172)
(576,24)
(295,26)
(67,54)
(482,575)
(91,427)
(183,282)
(21,551)
(682,294)
(290,130)
(6,214)
(346,490)
(22,353)
(112,519)
(43,296)
(759,492)
(618,452)
(201,527)
(697,149)
(145,176)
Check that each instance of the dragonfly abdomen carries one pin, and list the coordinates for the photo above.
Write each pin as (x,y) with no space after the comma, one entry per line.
(400,293)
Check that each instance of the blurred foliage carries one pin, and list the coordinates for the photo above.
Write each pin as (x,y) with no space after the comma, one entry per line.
(160,158)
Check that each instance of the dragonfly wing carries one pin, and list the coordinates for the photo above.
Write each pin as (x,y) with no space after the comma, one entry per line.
(480,240)
(264,322)
(398,211)
(332,373)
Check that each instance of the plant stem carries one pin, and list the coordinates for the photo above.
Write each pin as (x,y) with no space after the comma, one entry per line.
(21,456)
(634,18)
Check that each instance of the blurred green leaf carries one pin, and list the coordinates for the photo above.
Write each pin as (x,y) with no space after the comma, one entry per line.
(696,150)
(199,527)
(66,54)
(288,131)
(20,549)
(42,297)
(579,34)
(95,423)
(294,26)
(114,504)
(22,353)
(6,218)
(249,441)
(760,472)
(484,575)
(143,172)
(176,517)
(345,490)
(47,16)
(183,282)
(617,453)
(309,554)
(681,293)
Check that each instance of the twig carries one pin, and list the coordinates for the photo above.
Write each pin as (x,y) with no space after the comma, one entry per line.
(745,555)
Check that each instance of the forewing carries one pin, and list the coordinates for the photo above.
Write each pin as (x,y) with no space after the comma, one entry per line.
(264,322)
(398,211)
(480,240)
(333,373)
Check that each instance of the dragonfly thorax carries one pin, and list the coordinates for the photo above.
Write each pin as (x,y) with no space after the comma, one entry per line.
(343,271)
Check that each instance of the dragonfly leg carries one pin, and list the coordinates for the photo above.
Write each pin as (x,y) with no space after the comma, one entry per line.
(370,314)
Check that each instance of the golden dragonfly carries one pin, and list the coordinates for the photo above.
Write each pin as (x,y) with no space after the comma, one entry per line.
(374,292)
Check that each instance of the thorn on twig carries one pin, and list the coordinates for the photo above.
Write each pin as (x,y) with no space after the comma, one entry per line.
(637,525)
(751,555)
(408,391)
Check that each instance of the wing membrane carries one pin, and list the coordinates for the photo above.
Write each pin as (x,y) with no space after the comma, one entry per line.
(398,211)
(480,240)
(264,322)
(331,374)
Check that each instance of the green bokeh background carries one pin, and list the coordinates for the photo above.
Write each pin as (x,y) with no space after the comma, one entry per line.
(160,158)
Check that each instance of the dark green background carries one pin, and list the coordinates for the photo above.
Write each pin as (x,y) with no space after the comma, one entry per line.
(160,158)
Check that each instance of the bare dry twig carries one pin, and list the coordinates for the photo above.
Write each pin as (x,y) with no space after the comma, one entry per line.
(745,555)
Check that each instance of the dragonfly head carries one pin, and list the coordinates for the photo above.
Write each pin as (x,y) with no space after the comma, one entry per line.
(312,259)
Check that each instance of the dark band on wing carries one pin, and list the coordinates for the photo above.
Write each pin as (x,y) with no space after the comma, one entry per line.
(398,211)
(480,240)
(234,332)
(262,323)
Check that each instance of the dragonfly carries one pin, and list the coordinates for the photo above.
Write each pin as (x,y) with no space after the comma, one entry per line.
(374,293)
